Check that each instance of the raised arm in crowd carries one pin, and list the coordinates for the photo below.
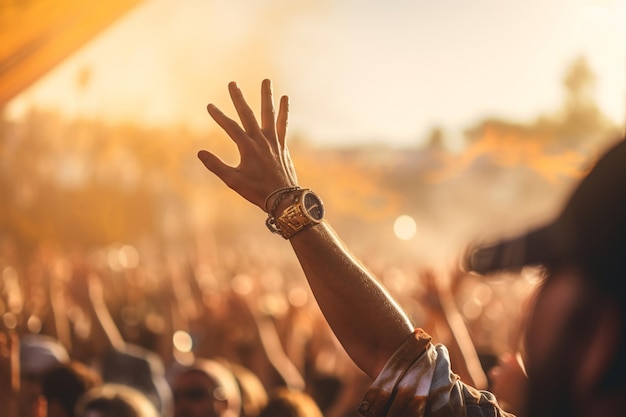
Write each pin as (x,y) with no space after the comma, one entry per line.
(371,326)
(367,321)
(575,336)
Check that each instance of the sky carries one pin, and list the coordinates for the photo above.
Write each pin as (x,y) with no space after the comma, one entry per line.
(356,71)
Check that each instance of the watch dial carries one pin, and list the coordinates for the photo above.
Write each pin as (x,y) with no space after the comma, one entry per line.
(313,206)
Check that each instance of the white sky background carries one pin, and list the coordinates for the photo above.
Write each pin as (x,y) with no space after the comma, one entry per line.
(356,70)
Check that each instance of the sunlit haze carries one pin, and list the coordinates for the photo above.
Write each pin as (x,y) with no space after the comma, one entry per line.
(356,71)
(425,126)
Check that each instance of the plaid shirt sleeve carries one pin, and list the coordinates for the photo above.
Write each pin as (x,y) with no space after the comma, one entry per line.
(417,381)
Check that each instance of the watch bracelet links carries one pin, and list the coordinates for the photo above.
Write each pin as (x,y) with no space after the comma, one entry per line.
(294,228)
(281,194)
(271,221)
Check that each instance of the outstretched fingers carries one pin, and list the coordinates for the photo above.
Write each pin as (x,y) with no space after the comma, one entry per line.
(265,164)
(281,128)
(217,166)
(246,115)
(268,114)
(282,121)
(231,127)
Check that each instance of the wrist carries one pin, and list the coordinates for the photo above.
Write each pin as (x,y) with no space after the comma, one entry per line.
(296,210)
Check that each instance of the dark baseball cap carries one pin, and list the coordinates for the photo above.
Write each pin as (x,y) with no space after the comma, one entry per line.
(590,231)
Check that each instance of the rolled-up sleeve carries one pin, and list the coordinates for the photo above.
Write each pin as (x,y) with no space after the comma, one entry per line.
(417,381)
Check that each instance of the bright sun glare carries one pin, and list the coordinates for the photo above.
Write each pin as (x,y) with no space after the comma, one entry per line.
(352,78)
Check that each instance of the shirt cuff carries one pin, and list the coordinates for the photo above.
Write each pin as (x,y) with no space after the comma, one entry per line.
(384,389)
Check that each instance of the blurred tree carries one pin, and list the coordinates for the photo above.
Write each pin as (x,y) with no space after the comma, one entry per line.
(582,121)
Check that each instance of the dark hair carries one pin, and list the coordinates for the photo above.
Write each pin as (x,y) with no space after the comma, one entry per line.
(65,384)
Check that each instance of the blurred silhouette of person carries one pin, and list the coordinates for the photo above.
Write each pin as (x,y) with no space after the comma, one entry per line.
(576,333)
(115,400)
(120,362)
(63,386)
(38,355)
(285,402)
(141,369)
(205,388)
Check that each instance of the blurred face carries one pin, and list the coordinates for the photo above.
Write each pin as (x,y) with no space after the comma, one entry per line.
(549,343)
(195,396)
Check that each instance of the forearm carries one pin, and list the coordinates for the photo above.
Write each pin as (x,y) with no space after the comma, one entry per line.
(104,326)
(364,317)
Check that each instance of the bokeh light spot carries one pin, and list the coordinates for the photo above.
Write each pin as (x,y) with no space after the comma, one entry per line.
(298,297)
(34,324)
(128,257)
(182,341)
(10,320)
(404,227)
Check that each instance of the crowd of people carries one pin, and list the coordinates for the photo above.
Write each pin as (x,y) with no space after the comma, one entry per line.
(109,329)
(180,331)
(157,330)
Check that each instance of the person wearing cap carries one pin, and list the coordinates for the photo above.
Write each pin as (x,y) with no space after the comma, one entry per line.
(115,400)
(39,354)
(205,388)
(575,338)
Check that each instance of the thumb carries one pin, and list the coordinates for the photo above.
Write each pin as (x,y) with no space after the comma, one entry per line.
(212,163)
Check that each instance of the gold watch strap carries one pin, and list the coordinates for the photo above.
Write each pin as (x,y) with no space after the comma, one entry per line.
(292,220)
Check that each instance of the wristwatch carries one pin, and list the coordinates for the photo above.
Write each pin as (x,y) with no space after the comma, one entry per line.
(306,209)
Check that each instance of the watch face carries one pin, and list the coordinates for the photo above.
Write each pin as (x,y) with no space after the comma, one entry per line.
(313,206)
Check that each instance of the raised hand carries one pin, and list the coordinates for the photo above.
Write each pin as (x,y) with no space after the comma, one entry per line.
(265,164)
(363,315)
